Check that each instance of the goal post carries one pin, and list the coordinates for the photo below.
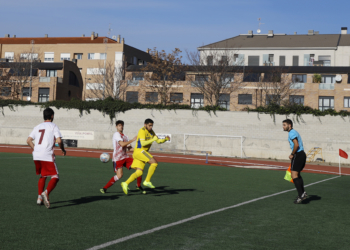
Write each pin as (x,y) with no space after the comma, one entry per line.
(219,145)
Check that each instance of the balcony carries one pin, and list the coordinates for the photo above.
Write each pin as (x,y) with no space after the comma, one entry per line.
(326,86)
(133,82)
(297,85)
(44,79)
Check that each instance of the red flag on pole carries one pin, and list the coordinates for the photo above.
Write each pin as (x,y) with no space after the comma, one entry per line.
(343,154)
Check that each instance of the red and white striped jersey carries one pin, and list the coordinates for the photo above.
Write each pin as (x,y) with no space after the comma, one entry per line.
(119,152)
(44,135)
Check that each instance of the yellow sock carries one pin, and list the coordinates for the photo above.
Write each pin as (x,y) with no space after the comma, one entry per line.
(151,170)
(134,176)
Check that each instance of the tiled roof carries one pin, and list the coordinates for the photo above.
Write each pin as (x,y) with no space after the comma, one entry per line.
(53,40)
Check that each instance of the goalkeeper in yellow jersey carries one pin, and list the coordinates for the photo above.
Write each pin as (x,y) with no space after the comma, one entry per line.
(145,138)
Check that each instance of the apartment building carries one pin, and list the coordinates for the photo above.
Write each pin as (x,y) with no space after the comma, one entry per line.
(49,81)
(330,91)
(311,49)
(89,53)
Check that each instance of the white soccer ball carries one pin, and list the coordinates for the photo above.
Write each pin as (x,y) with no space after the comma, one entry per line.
(104,157)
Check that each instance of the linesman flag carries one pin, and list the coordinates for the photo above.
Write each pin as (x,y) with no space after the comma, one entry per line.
(343,154)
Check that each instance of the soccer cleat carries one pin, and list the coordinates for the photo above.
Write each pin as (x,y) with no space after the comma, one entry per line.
(103,190)
(125,187)
(298,200)
(45,199)
(141,189)
(148,184)
(39,201)
(304,196)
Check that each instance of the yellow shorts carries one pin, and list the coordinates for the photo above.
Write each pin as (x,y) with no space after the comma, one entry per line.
(140,159)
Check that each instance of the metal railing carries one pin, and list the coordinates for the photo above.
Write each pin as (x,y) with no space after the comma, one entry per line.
(44,79)
(329,86)
(133,82)
(297,85)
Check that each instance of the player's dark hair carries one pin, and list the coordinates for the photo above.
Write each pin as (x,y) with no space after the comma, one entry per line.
(119,122)
(48,112)
(288,121)
(147,121)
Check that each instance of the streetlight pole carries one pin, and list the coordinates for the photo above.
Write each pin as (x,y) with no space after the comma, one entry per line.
(105,41)
(31,73)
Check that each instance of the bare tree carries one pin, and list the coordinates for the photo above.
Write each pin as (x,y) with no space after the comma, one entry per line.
(278,86)
(216,74)
(112,76)
(162,74)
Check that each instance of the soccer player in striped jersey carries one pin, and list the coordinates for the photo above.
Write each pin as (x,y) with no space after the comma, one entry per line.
(45,135)
(145,138)
(298,159)
(121,143)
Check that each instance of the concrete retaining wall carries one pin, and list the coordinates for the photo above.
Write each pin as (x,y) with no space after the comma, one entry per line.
(263,138)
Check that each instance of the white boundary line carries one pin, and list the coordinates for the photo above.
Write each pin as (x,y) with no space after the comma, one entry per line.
(107,244)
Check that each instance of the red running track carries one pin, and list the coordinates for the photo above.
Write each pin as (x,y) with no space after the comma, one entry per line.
(190,159)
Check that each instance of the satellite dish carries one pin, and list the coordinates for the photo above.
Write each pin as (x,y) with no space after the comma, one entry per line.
(114,37)
(338,78)
(258,31)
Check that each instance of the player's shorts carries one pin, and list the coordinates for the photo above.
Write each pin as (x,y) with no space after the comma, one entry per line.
(46,168)
(142,156)
(298,161)
(123,163)
(137,164)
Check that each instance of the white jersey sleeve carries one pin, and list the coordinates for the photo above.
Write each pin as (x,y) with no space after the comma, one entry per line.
(57,132)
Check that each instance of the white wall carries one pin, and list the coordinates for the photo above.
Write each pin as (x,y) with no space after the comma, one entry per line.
(263,137)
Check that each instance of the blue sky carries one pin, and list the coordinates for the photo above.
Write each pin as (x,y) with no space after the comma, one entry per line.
(169,24)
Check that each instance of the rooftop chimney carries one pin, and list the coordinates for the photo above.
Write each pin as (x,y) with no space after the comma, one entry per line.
(317,32)
(310,32)
(83,35)
(344,30)
(123,41)
(7,35)
(270,33)
(96,35)
(295,33)
(250,33)
(92,35)
(118,39)
(148,50)
(14,36)
(46,35)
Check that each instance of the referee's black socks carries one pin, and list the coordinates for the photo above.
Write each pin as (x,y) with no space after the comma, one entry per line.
(299,185)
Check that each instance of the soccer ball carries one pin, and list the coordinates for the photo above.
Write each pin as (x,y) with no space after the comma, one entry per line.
(104,157)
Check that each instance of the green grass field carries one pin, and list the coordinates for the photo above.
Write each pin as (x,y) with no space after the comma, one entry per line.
(81,217)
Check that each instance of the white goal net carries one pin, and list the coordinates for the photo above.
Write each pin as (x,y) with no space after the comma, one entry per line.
(219,145)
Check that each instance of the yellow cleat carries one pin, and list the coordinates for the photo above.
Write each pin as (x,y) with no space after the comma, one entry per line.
(125,187)
(148,184)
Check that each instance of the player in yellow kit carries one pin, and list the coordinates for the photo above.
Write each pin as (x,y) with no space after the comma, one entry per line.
(145,138)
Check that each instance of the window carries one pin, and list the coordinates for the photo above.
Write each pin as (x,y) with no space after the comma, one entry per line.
(176,97)
(328,79)
(10,56)
(51,73)
(245,99)
(132,96)
(296,99)
(227,79)
(94,86)
(238,59)
(253,60)
(325,102)
(29,56)
(200,80)
(282,60)
(44,94)
(92,56)
(224,101)
(138,76)
(5,91)
(49,57)
(309,59)
(224,60)
(103,56)
(251,77)
(95,71)
(210,60)
(65,56)
(197,100)
(25,92)
(295,60)
(299,78)
(268,60)
(79,56)
(273,99)
(151,97)
(272,77)
(346,102)
(324,60)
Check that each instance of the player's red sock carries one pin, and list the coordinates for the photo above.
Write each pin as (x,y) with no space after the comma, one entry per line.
(111,182)
(52,184)
(41,184)
(139,180)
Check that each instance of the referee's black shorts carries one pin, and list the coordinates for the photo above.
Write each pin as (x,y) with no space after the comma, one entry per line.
(298,161)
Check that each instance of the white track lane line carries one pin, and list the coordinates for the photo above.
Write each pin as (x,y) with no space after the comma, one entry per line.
(107,244)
